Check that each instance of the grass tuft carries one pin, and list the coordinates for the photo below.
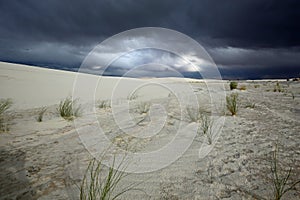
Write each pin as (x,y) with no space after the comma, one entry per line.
(280,178)
(68,109)
(206,127)
(5,104)
(104,104)
(41,113)
(99,183)
(232,103)
(143,107)
(277,88)
(194,115)
(233,85)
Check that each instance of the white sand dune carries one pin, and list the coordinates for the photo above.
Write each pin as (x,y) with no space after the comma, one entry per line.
(46,160)
(35,86)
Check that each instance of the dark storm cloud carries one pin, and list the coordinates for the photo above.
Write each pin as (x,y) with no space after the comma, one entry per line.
(249,23)
(248,35)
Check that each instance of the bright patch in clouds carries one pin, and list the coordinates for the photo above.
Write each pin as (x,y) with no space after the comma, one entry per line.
(156,60)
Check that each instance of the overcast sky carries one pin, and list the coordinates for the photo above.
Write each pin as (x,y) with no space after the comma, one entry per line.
(245,38)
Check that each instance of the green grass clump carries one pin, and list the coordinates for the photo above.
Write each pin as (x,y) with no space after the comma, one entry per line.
(41,113)
(206,127)
(233,85)
(101,183)
(68,109)
(104,104)
(5,104)
(281,178)
(232,103)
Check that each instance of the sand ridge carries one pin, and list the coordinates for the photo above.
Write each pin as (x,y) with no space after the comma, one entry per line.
(46,160)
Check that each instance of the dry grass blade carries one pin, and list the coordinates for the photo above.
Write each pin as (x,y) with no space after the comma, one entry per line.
(232,103)
(280,178)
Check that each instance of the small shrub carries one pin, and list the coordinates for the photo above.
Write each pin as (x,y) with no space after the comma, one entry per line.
(5,104)
(99,183)
(68,109)
(256,86)
(41,113)
(280,177)
(232,103)
(233,85)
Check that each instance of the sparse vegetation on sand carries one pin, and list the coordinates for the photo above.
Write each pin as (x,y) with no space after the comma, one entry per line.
(68,109)
(143,107)
(250,105)
(101,183)
(233,85)
(132,97)
(206,127)
(5,104)
(104,104)
(277,88)
(194,114)
(232,103)
(280,177)
(41,113)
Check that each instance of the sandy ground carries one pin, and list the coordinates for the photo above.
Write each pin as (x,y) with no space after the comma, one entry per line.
(47,160)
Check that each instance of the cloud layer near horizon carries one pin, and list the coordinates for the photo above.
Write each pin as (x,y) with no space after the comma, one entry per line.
(246,39)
